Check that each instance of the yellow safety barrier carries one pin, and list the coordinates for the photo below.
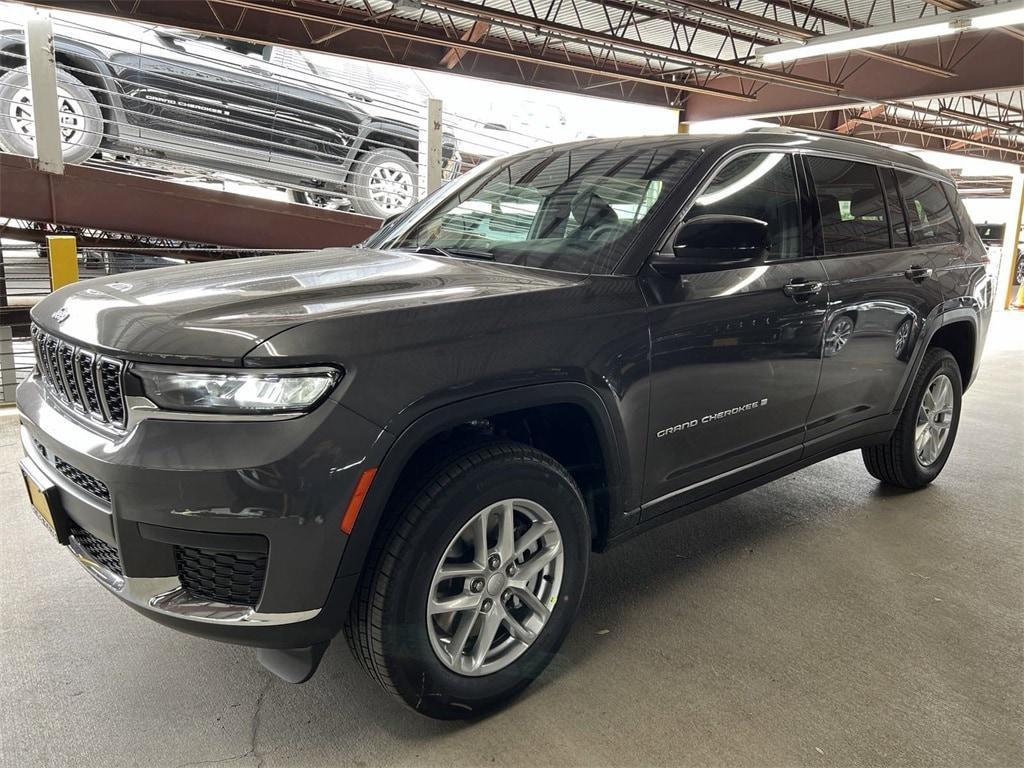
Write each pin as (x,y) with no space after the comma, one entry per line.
(63,260)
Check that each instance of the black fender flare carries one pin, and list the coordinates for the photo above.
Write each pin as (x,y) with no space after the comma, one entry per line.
(949,317)
(396,128)
(91,59)
(415,434)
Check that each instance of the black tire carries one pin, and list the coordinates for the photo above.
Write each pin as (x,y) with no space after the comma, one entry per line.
(378,159)
(896,462)
(76,99)
(387,626)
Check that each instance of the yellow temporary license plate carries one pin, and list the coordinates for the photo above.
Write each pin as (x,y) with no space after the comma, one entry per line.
(40,500)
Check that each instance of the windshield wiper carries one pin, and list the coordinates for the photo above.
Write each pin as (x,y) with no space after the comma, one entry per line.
(452,253)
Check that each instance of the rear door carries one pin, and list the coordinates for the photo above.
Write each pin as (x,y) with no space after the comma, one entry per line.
(883,283)
(200,98)
(735,352)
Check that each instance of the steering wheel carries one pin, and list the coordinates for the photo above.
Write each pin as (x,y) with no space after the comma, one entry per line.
(607,232)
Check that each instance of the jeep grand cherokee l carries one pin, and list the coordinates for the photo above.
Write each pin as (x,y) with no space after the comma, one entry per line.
(420,441)
(221,104)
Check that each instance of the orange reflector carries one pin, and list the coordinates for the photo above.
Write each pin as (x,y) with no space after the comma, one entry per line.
(356,502)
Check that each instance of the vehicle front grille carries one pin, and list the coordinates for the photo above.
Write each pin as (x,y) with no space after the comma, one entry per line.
(103,553)
(89,383)
(223,577)
(83,480)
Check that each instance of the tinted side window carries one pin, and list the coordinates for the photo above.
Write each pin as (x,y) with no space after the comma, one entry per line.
(897,220)
(852,207)
(931,218)
(762,186)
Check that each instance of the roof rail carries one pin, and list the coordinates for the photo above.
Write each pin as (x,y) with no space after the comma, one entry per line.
(795,130)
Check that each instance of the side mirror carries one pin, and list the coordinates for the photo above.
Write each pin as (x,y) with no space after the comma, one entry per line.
(715,242)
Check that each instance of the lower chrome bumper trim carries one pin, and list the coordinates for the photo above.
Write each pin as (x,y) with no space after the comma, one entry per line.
(166,595)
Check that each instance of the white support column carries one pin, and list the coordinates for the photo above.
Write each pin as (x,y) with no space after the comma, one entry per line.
(1008,262)
(42,72)
(430,149)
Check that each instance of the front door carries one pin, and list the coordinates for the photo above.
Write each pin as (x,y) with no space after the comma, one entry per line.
(735,352)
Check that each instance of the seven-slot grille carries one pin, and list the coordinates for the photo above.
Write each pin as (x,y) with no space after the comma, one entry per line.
(88,382)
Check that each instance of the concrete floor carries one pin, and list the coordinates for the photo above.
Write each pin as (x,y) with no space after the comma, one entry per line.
(820,620)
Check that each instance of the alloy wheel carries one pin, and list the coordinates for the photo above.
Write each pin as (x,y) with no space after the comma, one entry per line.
(495,587)
(934,418)
(838,335)
(70,113)
(391,187)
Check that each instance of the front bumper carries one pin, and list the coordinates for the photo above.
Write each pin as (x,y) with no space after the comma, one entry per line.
(208,487)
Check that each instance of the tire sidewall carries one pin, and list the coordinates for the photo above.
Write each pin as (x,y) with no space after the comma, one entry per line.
(940,364)
(361,201)
(411,660)
(17,79)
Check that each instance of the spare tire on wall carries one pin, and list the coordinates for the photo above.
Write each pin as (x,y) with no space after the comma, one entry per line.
(81,118)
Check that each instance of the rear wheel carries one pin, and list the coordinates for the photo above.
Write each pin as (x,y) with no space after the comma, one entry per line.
(384,183)
(474,589)
(924,436)
(81,119)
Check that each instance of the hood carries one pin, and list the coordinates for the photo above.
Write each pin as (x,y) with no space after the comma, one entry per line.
(217,312)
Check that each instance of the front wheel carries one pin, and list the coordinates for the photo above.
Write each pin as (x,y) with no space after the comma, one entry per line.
(919,447)
(81,119)
(474,589)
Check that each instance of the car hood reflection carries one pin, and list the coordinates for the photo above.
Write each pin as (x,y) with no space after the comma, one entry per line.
(219,311)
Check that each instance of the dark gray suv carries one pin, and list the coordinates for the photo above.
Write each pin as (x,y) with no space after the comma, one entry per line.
(421,440)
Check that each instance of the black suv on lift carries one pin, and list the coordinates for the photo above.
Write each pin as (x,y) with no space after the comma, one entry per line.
(217,103)
(423,439)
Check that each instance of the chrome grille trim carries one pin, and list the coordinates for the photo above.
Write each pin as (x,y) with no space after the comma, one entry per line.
(90,384)
(66,356)
(85,367)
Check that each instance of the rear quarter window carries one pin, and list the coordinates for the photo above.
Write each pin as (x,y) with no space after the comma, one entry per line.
(931,216)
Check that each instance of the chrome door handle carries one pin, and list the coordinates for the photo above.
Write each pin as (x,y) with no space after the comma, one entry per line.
(917,274)
(802,290)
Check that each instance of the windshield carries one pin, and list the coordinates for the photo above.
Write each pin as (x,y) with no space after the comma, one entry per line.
(573,209)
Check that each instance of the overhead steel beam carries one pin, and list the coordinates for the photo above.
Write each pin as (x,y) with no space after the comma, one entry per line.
(985,122)
(874,125)
(708,63)
(873,81)
(901,127)
(794,31)
(98,199)
(642,14)
(474,34)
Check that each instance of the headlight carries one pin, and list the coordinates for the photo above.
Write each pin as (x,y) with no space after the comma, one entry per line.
(236,391)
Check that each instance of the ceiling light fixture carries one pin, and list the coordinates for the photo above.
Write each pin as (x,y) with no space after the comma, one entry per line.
(1005,14)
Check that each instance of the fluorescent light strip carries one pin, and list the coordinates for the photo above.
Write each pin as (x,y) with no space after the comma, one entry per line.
(999,18)
(837,44)
(1005,14)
